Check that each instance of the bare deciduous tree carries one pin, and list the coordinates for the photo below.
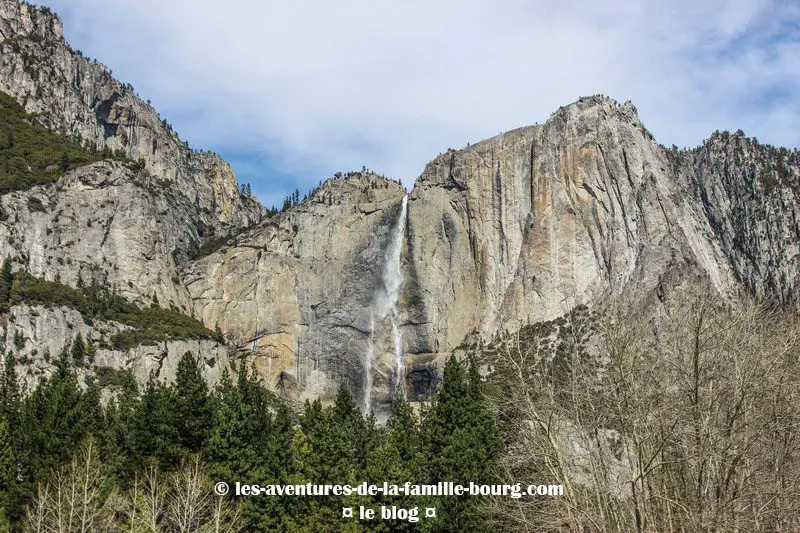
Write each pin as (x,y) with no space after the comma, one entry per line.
(77,497)
(690,423)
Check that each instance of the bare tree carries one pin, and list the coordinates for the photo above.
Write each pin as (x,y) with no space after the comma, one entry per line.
(189,498)
(192,504)
(687,423)
(146,502)
(76,498)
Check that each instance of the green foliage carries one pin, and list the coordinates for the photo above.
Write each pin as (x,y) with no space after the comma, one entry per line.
(107,376)
(460,440)
(768,180)
(193,408)
(149,325)
(56,416)
(78,350)
(8,471)
(151,433)
(6,279)
(242,432)
(212,245)
(32,155)
(9,391)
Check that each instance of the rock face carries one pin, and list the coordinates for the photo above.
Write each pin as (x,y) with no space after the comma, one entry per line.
(750,194)
(80,97)
(295,293)
(127,227)
(36,336)
(525,226)
(103,223)
(108,222)
(516,229)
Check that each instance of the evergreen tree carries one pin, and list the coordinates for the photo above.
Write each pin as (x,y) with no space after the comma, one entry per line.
(316,427)
(448,412)
(461,442)
(193,406)
(56,416)
(402,433)
(78,349)
(8,471)
(116,443)
(240,447)
(397,459)
(9,391)
(153,427)
(349,437)
(6,280)
(91,351)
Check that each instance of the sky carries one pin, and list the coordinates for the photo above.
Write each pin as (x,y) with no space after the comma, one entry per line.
(291,92)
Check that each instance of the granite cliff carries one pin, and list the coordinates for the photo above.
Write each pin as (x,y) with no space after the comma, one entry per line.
(366,283)
(128,226)
(524,227)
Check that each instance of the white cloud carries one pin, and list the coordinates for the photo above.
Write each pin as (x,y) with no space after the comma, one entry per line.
(317,86)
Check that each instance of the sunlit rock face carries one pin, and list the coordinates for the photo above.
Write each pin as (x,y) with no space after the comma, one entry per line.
(297,293)
(524,226)
(364,282)
(80,97)
(513,230)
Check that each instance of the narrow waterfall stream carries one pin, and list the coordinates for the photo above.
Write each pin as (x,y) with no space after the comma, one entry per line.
(384,306)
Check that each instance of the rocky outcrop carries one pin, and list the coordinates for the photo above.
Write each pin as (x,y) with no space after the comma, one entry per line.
(104,223)
(79,97)
(750,194)
(295,293)
(36,336)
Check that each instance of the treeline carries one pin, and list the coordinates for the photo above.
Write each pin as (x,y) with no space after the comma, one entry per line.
(32,155)
(294,199)
(147,459)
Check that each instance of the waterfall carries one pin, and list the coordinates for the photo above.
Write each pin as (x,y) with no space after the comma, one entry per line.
(369,363)
(384,306)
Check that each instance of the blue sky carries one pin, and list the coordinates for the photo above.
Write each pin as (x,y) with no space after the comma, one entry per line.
(291,92)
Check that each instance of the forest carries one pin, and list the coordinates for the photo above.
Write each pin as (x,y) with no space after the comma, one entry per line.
(146,460)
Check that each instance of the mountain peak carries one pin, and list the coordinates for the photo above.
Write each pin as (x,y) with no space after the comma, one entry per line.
(21,19)
(79,97)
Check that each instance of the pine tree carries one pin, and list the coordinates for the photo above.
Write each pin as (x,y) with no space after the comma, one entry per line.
(461,442)
(6,280)
(78,350)
(448,412)
(402,433)
(316,427)
(194,415)
(53,420)
(153,428)
(350,437)
(91,351)
(9,391)
(397,459)
(116,443)
(8,471)
(239,444)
